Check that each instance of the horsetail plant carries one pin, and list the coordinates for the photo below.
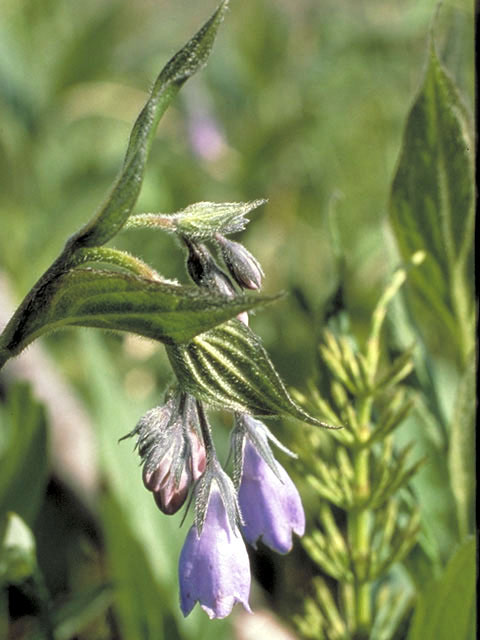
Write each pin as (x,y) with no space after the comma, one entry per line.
(366,521)
(216,358)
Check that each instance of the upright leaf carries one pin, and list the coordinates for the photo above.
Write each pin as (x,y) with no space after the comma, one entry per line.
(127,302)
(432,209)
(114,213)
(446,609)
(228,367)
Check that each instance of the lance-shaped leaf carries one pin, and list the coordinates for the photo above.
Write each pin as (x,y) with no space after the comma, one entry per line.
(127,302)
(432,208)
(114,213)
(228,367)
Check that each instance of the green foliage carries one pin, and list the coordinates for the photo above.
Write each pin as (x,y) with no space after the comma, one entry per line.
(64,295)
(461,462)
(113,215)
(310,102)
(432,209)
(18,559)
(446,609)
(228,367)
(23,454)
(201,220)
(127,302)
(366,483)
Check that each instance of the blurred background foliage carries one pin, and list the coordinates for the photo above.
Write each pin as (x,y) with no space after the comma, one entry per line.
(302,103)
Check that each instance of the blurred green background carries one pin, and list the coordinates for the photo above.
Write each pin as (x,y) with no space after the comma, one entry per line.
(302,103)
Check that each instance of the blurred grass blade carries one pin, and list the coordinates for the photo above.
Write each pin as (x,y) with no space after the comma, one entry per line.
(23,455)
(446,609)
(139,602)
(18,554)
(126,302)
(114,213)
(431,209)
(461,455)
(74,616)
(228,367)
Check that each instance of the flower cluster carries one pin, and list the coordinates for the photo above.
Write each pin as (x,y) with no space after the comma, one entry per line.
(175,443)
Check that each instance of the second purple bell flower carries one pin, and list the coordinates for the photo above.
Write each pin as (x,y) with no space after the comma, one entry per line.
(271,505)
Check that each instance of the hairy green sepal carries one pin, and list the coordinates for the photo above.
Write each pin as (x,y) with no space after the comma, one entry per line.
(228,367)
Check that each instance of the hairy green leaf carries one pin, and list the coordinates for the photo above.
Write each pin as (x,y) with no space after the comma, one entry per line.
(228,367)
(461,455)
(114,213)
(199,221)
(127,302)
(446,609)
(431,208)
(23,457)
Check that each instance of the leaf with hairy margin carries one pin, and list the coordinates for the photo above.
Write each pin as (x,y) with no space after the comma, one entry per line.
(228,367)
(431,209)
(116,210)
(199,221)
(126,302)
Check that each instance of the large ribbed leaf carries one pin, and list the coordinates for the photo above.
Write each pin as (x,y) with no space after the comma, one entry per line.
(114,213)
(126,302)
(432,209)
(228,367)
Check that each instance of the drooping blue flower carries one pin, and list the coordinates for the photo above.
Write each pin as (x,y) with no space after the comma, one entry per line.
(214,569)
(271,506)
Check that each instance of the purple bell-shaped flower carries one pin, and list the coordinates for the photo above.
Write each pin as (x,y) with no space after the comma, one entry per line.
(271,506)
(214,569)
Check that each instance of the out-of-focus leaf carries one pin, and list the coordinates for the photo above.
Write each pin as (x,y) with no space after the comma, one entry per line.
(23,458)
(434,495)
(71,618)
(3,613)
(140,603)
(125,302)
(461,456)
(228,367)
(114,213)
(431,209)
(18,557)
(446,609)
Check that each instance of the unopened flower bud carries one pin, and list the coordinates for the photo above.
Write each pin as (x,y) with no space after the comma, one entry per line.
(171,480)
(172,450)
(204,271)
(243,266)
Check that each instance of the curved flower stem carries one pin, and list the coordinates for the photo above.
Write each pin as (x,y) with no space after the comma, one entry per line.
(206,433)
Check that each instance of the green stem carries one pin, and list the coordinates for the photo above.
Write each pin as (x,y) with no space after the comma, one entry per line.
(359,527)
